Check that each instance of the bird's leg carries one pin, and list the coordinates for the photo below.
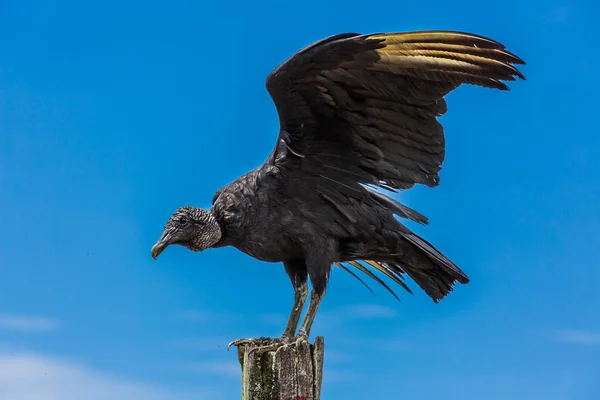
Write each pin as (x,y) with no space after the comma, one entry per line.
(318,265)
(264,345)
(300,295)
(313,306)
(296,269)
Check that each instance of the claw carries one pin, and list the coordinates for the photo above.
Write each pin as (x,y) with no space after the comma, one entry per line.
(265,345)
(241,342)
(266,348)
(301,336)
(249,341)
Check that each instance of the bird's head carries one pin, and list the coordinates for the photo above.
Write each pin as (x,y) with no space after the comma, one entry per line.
(191,227)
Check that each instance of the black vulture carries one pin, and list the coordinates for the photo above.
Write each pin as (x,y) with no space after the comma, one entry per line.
(357,113)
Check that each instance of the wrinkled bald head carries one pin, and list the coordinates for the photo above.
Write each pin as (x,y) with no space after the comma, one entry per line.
(191,227)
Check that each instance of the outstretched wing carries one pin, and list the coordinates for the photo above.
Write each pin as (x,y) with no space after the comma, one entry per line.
(361,109)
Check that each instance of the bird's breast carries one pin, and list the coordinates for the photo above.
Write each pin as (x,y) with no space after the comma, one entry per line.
(256,220)
(270,237)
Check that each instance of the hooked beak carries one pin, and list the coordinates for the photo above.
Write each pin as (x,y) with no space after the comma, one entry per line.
(162,244)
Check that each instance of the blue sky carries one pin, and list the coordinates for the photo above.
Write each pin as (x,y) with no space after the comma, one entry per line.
(114,115)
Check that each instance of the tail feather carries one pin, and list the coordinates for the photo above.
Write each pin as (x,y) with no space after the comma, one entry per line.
(440,259)
(396,207)
(435,274)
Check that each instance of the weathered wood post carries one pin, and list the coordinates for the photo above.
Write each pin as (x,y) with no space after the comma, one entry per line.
(292,372)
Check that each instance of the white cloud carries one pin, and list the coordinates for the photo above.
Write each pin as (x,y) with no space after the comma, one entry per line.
(201,343)
(230,368)
(333,375)
(333,317)
(376,344)
(31,376)
(579,336)
(27,323)
(370,311)
(335,356)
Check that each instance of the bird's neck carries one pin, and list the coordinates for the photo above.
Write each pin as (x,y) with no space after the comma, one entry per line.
(225,227)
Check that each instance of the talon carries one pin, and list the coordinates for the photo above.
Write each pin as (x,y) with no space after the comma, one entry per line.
(264,345)
(248,341)
(263,349)
(239,342)
(274,345)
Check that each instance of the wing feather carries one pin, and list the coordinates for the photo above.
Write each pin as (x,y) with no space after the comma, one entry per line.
(374,100)
(359,112)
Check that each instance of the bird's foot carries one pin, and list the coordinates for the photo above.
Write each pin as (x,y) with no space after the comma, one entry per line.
(265,345)
(258,342)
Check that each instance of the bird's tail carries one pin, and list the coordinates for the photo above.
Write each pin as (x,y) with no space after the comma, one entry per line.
(413,256)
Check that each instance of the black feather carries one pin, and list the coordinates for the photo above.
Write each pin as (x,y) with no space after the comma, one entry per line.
(357,113)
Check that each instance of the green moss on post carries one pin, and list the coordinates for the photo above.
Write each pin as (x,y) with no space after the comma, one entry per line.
(292,372)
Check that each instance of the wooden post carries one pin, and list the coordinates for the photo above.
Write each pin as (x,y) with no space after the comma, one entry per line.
(292,372)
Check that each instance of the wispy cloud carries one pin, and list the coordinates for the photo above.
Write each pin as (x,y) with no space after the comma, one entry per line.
(334,375)
(369,311)
(201,343)
(31,376)
(357,311)
(230,368)
(24,323)
(579,336)
(339,357)
(377,344)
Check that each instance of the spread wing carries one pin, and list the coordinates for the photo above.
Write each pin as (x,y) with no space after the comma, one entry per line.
(362,109)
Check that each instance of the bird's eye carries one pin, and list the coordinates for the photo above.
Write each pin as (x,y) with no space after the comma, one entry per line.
(183,220)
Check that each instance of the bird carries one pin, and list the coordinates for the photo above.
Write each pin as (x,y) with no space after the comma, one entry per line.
(358,116)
